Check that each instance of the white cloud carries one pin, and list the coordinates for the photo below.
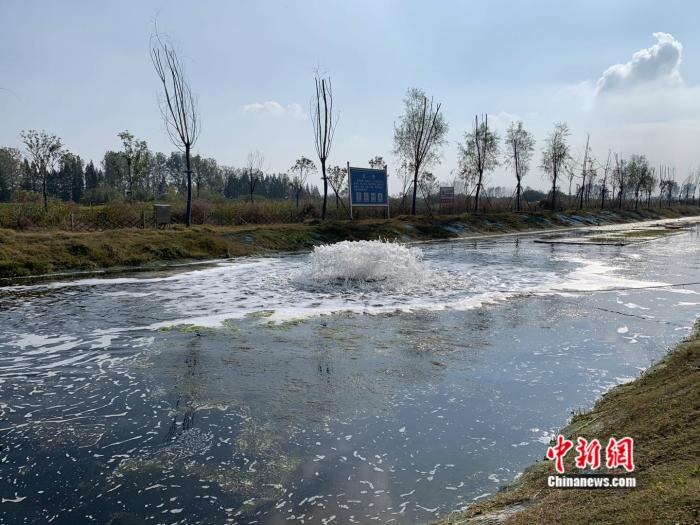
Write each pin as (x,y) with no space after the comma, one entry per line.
(639,106)
(655,65)
(274,109)
(647,88)
(500,121)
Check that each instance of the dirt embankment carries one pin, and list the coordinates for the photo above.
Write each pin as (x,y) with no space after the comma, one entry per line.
(36,252)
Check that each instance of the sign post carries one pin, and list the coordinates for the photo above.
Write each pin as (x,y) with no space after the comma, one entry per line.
(368,187)
(447,196)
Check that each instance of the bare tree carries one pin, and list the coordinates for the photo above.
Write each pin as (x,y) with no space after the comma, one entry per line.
(672,190)
(570,173)
(688,188)
(405,174)
(429,185)
(301,170)
(134,153)
(591,178)
(324,121)
(584,170)
(419,134)
(254,170)
(520,144)
(619,179)
(178,105)
(44,149)
(649,184)
(555,155)
(664,183)
(478,155)
(604,183)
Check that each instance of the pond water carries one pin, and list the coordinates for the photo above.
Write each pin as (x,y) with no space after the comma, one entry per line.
(362,383)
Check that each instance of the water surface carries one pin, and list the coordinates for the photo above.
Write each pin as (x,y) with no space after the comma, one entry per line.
(268,390)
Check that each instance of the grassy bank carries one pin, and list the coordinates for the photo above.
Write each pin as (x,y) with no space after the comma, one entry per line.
(661,410)
(34,252)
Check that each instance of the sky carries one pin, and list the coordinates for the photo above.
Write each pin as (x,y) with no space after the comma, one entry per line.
(625,72)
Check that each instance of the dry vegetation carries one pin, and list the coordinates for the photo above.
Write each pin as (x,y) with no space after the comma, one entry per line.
(40,251)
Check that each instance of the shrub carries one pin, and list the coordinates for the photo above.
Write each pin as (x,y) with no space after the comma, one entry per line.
(101,195)
(23,215)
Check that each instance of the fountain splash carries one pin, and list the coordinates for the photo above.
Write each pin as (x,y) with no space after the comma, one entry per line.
(366,261)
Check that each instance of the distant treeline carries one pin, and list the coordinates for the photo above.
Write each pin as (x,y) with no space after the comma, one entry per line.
(138,174)
(151,176)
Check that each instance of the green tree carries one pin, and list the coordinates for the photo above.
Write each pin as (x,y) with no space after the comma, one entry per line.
(44,149)
(10,172)
(114,169)
(92,177)
(206,173)
(135,154)
(67,182)
(29,177)
(158,179)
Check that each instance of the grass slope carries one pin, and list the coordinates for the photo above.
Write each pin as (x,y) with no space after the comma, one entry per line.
(661,410)
(35,252)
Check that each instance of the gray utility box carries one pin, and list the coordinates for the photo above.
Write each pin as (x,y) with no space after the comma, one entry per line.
(161,214)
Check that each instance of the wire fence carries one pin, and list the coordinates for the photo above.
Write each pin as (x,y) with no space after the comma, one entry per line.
(71,217)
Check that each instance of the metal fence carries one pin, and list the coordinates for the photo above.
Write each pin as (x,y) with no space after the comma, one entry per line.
(99,222)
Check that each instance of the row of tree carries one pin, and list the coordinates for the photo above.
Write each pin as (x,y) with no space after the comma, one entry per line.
(136,173)
(421,131)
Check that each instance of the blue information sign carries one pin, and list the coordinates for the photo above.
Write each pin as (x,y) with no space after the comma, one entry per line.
(368,187)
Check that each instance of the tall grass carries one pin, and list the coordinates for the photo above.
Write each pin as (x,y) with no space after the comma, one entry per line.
(61,215)
(225,212)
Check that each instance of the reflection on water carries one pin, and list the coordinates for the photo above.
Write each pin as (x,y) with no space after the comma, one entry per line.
(224,394)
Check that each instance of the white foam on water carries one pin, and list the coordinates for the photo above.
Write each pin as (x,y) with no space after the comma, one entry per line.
(216,268)
(23,341)
(595,275)
(363,277)
(37,353)
(122,293)
(367,261)
(684,291)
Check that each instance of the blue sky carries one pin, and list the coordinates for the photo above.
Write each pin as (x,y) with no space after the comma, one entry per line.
(81,69)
